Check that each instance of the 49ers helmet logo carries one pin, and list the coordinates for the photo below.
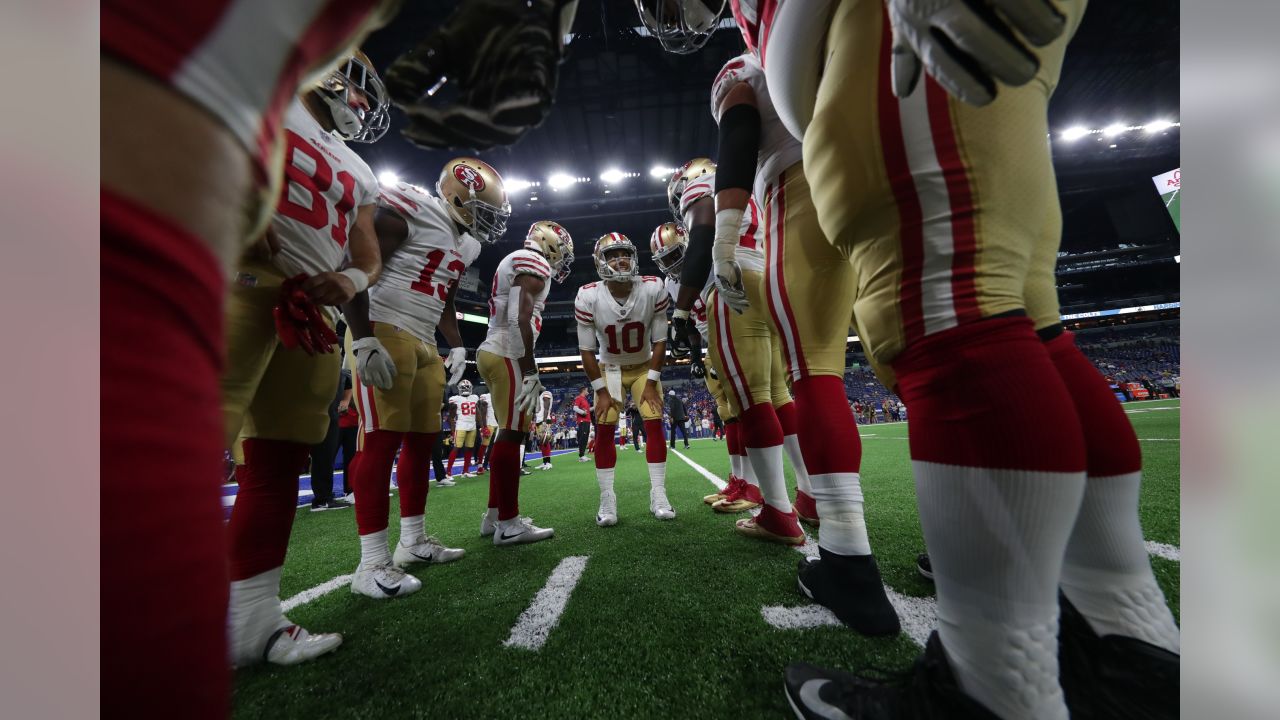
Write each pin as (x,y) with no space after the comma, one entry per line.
(469,176)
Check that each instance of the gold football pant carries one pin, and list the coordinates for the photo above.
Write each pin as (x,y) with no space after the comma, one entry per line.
(949,212)
(464,439)
(502,376)
(715,387)
(749,352)
(267,391)
(413,402)
(633,379)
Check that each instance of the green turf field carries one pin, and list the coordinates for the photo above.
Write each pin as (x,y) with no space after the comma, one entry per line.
(665,622)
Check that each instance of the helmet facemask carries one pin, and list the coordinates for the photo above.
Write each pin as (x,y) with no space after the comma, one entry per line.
(606,270)
(464,387)
(681,26)
(488,223)
(351,123)
(670,259)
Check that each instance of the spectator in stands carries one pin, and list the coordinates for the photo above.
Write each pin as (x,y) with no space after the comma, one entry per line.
(582,416)
(678,416)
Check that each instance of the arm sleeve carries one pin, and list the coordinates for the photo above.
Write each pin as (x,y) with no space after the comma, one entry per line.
(697,257)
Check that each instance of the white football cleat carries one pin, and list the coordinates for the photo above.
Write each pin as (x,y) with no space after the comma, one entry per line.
(445,482)
(425,549)
(292,644)
(468,474)
(519,530)
(584,458)
(488,522)
(607,515)
(659,505)
(383,582)
(545,466)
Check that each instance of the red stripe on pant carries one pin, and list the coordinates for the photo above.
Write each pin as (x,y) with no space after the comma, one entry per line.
(161,513)
(987,395)
(414,472)
(606,450)
(1111,446)
(371,479)
(828,435)
(655,444)
(964,292)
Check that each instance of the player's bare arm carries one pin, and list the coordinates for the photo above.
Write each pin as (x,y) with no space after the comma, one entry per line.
(448,325)
(391,230)
(337,288)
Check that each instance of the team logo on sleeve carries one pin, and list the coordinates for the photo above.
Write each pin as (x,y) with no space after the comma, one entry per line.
(469,177)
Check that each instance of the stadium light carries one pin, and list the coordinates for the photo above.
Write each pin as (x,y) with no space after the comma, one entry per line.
(386,178)
(614,175)
(1156,126)
(1114,129)
(661,172)
(514,185)
(1074,133)
(559,181)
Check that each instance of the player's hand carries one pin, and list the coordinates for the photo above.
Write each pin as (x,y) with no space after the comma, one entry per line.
(697,368)
(342,406)
(502,59)
(329,288)
(373,363)
(604,403)
(967,45)
(530,389)
(649,396)
(456,364)
(729,284)
(680,328)
(299,323)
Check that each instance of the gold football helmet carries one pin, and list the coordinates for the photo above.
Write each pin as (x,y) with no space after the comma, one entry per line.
(681,178)
(342,90)
(617,267)
(476,198)
(549,238)
(668,244)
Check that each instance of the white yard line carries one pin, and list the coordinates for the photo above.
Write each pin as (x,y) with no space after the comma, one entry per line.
(1168,552)
(543,614)
(717,482)
(307,596)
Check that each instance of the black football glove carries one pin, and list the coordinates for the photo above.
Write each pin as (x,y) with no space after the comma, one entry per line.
(681,328)
(503,58)
(697,368)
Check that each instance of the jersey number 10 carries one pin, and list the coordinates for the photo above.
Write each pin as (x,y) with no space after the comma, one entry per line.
(632,338)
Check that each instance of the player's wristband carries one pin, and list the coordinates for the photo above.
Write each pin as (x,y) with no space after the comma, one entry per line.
(597,384)
(358,277)
(680,314)
(655,375)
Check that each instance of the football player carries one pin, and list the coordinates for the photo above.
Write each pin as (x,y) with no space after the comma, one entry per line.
(463,413)
(505,359)
(281,369)
(668,245)
(624,318)
(429,241)
(487,433)
(543,420)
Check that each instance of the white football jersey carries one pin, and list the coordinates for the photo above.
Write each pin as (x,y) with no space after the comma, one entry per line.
(504,337)
(325,184)
(750,253)
(490,419)
(545,401)
(415,280)
(698,313)
(464,411)
(779,149)
(622,331)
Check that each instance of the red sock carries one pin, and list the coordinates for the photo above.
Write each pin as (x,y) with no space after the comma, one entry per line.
(826,416)
(760,427)
(371,479)
(655,447)
(1111,445)
(505,473)
(414,472)
(466,460)
(546,452)
(162,518)
(265,505)
(986,395)
(448,467)
(606,451)
(733,433)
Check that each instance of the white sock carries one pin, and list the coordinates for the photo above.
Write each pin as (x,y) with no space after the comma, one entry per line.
(767,463)
(838,498)
(373,549)
(996,540)
(604,476)
(749,472)
(411,528)
(253,613)
(658,476)
(735,465)
(1107,574)
(792,445)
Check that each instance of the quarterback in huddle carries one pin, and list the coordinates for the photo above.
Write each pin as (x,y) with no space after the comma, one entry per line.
(624,318)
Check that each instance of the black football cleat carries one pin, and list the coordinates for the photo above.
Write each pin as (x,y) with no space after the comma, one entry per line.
(1114,676)
(850,587)
(927,691)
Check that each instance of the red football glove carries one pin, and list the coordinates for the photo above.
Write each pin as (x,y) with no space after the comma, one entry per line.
(299,323)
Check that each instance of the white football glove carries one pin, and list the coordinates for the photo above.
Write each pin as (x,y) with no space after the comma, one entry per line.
(373,363)
(456,364)
(967,45)
(727,272)
(527,396)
